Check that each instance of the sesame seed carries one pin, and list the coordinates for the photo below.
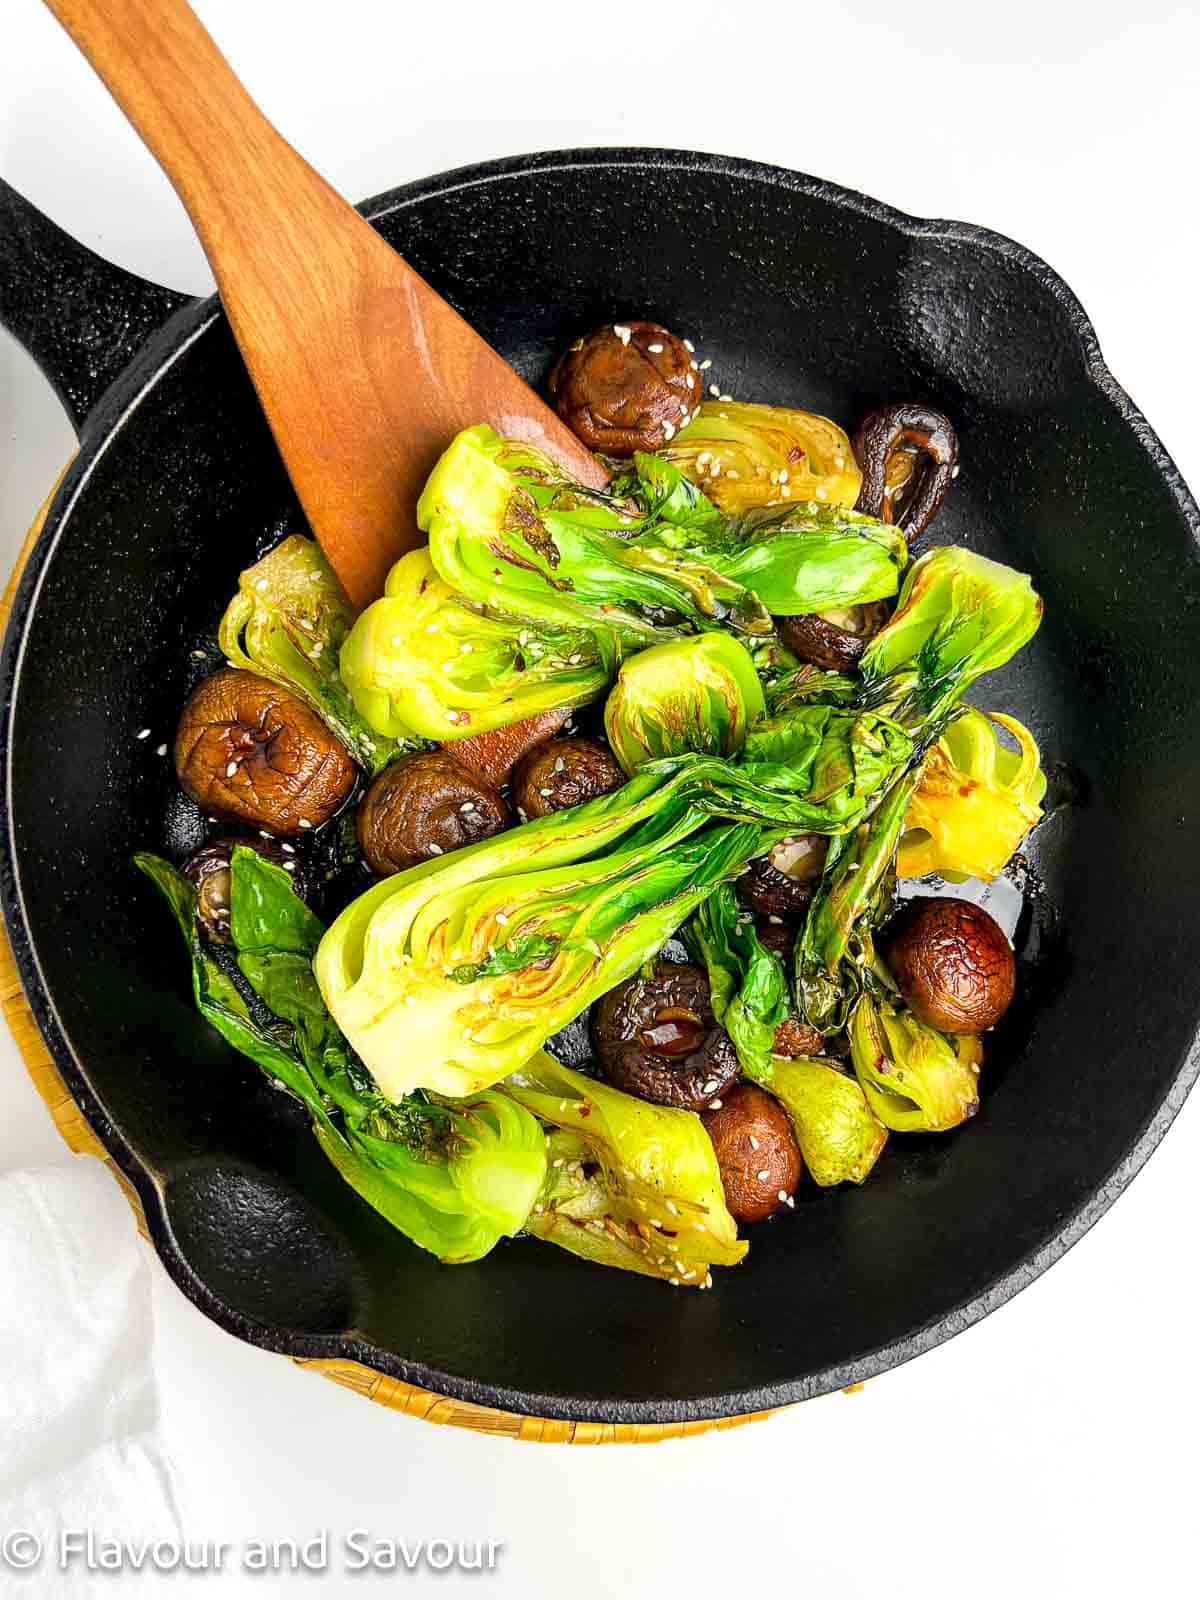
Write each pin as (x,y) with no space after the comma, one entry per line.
(655,349)
(573,661)
(954,473)
(715,391)
(713,1105)
(727,397)
(263,834)
(655,1223)
(731,473)
(435,850)
(261,584)
(702,460)
(545,793)
(680,1268)
(791,1201)
(704,365)
(199,655)
(777,921)
(290,866)
(783,475)
(559,764)
(711,1086)
(839,462)
(715,470)
(763,1175)
(672,1208)
(316,650)
(708,1280)
(674,1282)
(668,431)
(288,849)
(783,1194)
(305,823)
(785,493)
(502,919)
(231,770)
(692,379)
(161,750)
(622,333)
(689,347)
(145,733)
(467,806)
(821,494)
(561,1161)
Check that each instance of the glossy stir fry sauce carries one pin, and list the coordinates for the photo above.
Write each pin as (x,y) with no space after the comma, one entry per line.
(719,703)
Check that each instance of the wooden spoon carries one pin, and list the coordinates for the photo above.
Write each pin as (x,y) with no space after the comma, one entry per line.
(365,373)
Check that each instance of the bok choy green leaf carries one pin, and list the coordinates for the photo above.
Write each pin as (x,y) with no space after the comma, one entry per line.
(453,1177)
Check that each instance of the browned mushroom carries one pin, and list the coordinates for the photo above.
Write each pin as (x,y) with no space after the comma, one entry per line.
(792,1037)
(629,386)
(756,1151)
(833,640)
(493,755)
(423,806)
(562,773)
(781,883)
(952,962)
(909,458)
(207,869)
(657,1037)
(250,752)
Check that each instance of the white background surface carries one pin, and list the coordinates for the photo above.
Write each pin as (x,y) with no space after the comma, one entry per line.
(1049,1450)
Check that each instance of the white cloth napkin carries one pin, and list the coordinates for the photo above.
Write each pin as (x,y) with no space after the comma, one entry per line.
(79,1446)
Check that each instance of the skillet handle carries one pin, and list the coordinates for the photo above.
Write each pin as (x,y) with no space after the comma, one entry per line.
(81,318)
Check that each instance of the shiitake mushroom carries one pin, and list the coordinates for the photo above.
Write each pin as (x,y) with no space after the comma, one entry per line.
(563,773)
(425,805)
(909,458)
(657,1037)
(834,641)
(756,1151)
(781,883)
(250,752)
(792,1036)
(208,868)
(952,963)
(626,387)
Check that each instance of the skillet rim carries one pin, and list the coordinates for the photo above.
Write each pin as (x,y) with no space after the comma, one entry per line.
(105,422)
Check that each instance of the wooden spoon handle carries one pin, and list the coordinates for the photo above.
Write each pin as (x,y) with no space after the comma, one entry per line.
(237,177)
(363,371)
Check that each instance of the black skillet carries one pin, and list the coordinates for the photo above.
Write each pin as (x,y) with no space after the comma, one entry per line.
(800,292)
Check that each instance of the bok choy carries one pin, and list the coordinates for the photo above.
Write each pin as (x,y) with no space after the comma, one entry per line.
(631,1185)
(287,622)
(449,976)
(454,1177)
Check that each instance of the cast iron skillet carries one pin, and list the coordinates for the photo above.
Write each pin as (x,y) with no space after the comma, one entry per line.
(800,292)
